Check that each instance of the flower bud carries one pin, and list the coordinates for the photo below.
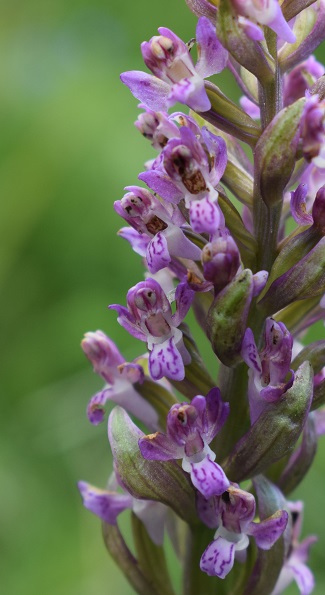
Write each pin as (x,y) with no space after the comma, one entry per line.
(318,211)
(248,52)
(275,432)
(220,259)
(276,152)
(306,279)
(162,481)
(226,322)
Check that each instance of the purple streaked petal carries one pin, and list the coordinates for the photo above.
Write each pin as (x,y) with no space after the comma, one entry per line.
(303,577)
(204,216)
(267,532)
(166,360)
(106,505)
(212,55)
(218,559)
(158,256)
(249,352)
(159,447)
(298,206)
(161,183)
(209,478)
(149,89)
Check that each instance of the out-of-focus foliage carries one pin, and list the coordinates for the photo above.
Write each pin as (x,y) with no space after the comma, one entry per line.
(67,148)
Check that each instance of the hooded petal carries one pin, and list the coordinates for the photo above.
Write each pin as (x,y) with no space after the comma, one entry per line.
(159,447)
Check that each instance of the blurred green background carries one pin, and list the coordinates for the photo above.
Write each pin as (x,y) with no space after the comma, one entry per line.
(68,147)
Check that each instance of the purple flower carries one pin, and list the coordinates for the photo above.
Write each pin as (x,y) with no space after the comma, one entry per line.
(149,318)
(295,568)
(190,429)
(175,78)
(147,215)
(120,377)
(220,259)
(299,208)
(265,12)
(313,131)
(108,504)
(233,513)
(269,368)
(190,167)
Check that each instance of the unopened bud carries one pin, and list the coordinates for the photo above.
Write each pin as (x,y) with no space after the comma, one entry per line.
(221,261)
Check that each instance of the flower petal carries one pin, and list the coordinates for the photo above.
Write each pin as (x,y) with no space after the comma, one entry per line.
(106,505)
(267,532)
(218,559)
(149,89)
(209,478)
(212,55)
(166,360)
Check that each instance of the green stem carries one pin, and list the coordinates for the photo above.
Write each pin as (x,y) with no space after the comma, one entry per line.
(197,582)
(233,387)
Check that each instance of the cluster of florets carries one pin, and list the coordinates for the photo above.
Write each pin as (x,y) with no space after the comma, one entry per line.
(253,289)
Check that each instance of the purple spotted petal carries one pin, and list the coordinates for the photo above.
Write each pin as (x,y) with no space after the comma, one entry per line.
(159,447)
(267,532)
(209,478)
(202,8)
(158,256)
(166,360)
(205,216)
(249,352)
(298,205)
(212,55)
(161,183)
(106,505)
(149,89)
(218,559)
